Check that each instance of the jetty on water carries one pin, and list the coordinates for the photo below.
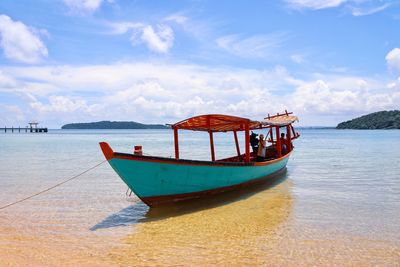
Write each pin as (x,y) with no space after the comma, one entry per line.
(32,128)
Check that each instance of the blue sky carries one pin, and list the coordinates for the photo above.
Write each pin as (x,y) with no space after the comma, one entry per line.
(162,61)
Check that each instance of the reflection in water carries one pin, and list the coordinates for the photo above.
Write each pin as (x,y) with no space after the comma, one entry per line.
(230,227)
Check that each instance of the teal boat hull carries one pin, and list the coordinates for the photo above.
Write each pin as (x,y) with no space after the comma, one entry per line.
(157,180)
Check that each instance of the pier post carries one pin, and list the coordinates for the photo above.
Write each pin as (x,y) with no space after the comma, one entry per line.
(12,129)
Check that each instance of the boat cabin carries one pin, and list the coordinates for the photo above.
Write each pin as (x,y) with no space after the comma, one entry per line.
(273,126)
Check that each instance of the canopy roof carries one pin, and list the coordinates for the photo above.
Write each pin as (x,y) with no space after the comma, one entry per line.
(216,123)
(280,120)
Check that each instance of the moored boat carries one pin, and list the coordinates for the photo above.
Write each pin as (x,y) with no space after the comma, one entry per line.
(159,180)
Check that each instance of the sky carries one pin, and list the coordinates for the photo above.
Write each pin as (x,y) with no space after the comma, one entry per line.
(64,61)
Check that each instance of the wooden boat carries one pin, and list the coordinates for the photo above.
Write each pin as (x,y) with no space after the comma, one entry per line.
(160,180)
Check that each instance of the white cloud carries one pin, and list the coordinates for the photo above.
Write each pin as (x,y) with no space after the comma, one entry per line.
(360,11)
(165,92)
(84,6)
(20,42)
(60,104)
(297,58)
(393,59)
(177,18)
(159,40)
(252,47)
(124,27)
(356,7)
(394,85)
(6,82)
(314,4)
(12,115)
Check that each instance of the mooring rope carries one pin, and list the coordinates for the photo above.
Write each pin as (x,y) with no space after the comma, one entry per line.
(52,187)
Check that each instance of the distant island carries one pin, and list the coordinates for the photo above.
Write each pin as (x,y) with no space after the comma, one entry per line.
(113,125)
(377,120)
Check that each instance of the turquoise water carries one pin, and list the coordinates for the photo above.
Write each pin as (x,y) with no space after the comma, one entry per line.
(338,202)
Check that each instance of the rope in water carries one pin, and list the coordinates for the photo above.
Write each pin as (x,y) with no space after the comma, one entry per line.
(52,187)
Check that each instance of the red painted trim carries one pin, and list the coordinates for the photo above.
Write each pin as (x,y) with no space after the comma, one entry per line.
(264,163)
(179,161)
(110,154)
(160,200)
(107,150)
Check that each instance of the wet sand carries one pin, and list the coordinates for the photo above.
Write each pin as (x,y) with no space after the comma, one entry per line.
(255,226)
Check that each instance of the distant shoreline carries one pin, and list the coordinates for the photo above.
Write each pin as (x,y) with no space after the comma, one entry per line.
(112,125)
(382,120)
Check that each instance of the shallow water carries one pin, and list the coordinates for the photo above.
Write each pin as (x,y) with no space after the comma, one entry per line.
(337,204)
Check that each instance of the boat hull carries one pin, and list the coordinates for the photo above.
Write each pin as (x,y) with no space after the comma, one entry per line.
(161,180)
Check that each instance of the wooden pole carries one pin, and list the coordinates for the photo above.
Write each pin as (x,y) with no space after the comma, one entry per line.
(247,141)
(294,133)
(176,141)
(278,142)
(288,139)
(237,143)
(272,135)
(212,145)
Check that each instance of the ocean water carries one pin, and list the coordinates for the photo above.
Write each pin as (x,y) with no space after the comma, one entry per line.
(338,204)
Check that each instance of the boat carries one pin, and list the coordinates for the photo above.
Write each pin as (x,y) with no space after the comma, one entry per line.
(161,180)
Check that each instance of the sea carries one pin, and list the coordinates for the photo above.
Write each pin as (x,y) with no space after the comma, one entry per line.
(337,204)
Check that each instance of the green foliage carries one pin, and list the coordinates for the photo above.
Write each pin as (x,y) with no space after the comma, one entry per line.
(113,125)
(377,120)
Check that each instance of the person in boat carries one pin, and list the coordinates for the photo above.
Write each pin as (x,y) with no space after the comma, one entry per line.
(262,146)
(254,141)
(284,144)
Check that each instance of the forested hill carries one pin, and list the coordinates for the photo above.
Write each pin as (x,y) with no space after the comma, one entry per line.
(113,125)
(377,120)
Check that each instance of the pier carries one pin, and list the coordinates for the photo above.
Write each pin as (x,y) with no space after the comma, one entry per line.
(33,128)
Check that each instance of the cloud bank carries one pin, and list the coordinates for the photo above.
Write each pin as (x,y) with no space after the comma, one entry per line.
(21,43)
(167,92)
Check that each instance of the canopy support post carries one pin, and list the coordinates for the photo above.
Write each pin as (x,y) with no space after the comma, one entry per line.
(176,143)
(288,139)
(237,143)
(278,143)
(271,134)
(212,145)
(247,141)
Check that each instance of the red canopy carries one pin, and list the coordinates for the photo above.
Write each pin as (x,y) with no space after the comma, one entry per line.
(216,123)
